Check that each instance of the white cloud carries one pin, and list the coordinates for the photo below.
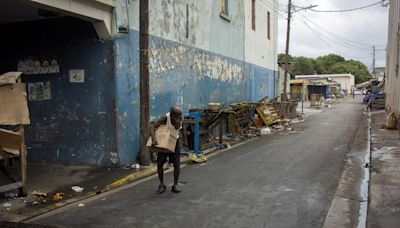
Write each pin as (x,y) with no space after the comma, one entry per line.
(367,26)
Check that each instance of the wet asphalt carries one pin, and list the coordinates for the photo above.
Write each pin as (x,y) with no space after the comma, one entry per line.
(284,180)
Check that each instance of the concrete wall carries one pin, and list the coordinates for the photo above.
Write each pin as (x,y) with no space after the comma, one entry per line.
(393,60)
(196,57)
(77,125)
(208,65)
(260,50)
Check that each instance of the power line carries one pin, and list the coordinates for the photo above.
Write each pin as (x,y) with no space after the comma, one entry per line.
(327,44)
(347,10)
(355,44)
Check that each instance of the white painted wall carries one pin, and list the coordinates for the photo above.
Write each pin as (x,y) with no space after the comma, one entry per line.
(259,49)
(207,29)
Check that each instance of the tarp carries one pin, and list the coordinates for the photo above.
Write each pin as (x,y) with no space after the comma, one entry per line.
(14,105)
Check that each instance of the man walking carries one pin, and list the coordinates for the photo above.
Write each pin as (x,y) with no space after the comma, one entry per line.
(173,120)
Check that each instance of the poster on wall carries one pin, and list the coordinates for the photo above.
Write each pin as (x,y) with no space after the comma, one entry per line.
(77,76)
(39,91)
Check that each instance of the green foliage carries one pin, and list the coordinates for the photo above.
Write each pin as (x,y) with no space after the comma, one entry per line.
(328,64)
(302,65)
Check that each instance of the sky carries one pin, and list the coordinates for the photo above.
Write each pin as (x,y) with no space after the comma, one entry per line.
(350,34)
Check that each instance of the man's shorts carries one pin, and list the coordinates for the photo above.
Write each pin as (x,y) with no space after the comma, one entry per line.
(173,158)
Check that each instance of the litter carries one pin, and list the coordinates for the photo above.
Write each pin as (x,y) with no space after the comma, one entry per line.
(40,194)
(199,158)
(266,131)
(34,203)
(81,205)
(58,196)
(7,204)
(77,188)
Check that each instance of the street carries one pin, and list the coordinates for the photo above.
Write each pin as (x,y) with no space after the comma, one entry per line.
(277,181)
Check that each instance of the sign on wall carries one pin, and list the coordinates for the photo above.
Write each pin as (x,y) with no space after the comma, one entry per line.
(39,91)
(77,76)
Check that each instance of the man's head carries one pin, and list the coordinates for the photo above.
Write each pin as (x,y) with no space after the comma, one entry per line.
(176,116)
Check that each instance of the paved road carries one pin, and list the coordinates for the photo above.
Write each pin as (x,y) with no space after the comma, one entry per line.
(277,181)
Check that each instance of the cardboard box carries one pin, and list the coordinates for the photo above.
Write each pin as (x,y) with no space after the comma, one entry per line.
(166,139)
(13,104)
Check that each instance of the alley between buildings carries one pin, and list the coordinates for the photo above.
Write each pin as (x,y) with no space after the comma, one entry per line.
(276,181)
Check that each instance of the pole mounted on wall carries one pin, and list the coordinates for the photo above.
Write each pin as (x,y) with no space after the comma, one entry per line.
(144,80)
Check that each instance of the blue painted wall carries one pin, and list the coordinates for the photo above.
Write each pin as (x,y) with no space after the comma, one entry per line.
(97,122)
(77,126)
(181,75)
(127,96)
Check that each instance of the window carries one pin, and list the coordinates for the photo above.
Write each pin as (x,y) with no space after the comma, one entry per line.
(269,25)
(253,15)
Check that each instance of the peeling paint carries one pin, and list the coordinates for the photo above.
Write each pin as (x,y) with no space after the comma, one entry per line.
(164,58)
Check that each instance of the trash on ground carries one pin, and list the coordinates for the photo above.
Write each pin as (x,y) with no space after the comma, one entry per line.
(7,204)
(290,129)
(266,131)
(77,188)
(34,203)
(40,194)
(58,196)
(199,158)
(391,122)
(81,205)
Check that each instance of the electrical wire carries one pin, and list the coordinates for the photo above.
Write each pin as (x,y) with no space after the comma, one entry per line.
(352,43)
(347,10)
(330,46)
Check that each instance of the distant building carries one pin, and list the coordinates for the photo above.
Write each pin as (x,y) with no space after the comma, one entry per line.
(379,72)
(346,81)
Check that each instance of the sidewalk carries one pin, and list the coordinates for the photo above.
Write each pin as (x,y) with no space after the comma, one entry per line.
(384,197)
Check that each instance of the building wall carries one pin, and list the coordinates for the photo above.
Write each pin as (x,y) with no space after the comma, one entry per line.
(393,60)
(208,65)
(260,50)
(347,81)
(97,122)
(77,124)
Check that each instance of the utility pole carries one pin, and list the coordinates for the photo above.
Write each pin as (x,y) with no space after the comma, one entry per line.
(144,80)
(373,61)
(284,95)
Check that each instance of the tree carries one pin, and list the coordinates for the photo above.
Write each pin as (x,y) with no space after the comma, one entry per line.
(302,66)
(356,68)
(327,64)
(324,63)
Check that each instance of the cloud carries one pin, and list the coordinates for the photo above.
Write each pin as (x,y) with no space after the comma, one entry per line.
(349,34)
